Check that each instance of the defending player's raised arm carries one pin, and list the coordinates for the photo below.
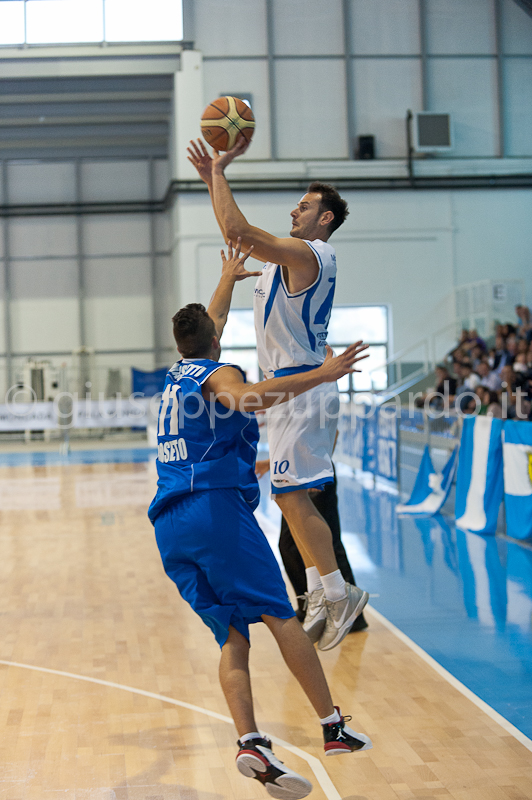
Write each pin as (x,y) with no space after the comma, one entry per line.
(233,270)
(227,385)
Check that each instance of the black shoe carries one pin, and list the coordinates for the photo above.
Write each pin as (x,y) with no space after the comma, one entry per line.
(360,624)
(338,738)
(256,760)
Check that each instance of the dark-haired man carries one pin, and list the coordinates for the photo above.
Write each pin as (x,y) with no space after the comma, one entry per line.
(209,540)
(292,304)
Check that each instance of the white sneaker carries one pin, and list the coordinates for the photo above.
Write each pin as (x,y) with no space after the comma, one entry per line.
(315,614)
(256,760)
(340,616)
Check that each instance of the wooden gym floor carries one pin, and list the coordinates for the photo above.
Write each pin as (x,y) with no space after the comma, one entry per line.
(108,681)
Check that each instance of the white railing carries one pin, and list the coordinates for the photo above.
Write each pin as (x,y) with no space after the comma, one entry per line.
(426,353)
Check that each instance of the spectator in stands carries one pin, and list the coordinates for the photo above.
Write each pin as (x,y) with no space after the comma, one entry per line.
(446,385)
(520,364)
(501,356)
(524,329)
(490,379)
(477,354)
(511,348)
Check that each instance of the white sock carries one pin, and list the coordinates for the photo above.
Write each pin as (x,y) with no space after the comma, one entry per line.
(247,736)
(335,717)
(313,579)
(334,586)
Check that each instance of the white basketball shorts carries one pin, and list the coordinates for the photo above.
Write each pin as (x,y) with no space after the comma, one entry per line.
(301,437)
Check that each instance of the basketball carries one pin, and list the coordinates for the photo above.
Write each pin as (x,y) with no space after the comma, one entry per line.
(224,119)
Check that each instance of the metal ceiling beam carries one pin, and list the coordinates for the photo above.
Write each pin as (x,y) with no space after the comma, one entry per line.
(344,184)
(80,121)
(87,97)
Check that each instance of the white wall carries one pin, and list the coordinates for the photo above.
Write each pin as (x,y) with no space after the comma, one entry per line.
(406,249)
(46,259)
(369,62)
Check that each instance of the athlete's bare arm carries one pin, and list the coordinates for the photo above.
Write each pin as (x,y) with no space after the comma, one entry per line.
(292,253)
(228,387)
(233,270)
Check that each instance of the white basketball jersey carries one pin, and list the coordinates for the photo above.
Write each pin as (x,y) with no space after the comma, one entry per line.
(292,328)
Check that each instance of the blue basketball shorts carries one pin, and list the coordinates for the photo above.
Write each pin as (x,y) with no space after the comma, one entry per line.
(215,552)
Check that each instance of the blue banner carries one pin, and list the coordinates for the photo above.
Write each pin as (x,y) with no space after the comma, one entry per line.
(479,481)
(517,450)
(430,489)
(148,383)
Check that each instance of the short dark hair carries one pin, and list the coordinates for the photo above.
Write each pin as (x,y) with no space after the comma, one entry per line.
(193,331)
(330,201)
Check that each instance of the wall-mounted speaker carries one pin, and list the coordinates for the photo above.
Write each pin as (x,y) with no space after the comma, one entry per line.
(365,147)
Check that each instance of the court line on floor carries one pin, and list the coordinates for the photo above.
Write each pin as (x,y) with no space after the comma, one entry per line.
(314,763)
(487,709)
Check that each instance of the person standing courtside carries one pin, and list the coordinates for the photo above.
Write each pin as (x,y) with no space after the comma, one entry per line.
(292,304)
(210,542)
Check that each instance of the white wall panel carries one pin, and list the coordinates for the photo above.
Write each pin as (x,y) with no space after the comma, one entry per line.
(311,110)
(116,323)
(307,27)
(40,279)
(166,305)
(42,236)
(414,277)
(239,77)
(103,181)
(227,27)
(518,91)
(493,236)
(384,91)
(116,233)
(54,182)
(116,277)
(466,88)
(385,27)
(39,326)
(161,168)
(516,29)
(163,232)
(460,26)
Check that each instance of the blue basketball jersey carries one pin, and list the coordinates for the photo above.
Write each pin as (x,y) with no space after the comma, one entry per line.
(202,444)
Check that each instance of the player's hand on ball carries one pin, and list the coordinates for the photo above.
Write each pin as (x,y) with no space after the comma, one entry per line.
(335,367)
(233,266)
(222,160)
(200,159)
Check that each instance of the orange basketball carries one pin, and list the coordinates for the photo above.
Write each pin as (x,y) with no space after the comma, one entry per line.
(224,119)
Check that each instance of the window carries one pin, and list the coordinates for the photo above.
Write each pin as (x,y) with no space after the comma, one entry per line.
(79,21)
(347,324)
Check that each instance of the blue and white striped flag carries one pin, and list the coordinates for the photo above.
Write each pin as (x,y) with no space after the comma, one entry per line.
(479,481)
(517,453)
(430,489)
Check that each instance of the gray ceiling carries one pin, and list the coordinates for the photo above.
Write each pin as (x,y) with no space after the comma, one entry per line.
(96,116)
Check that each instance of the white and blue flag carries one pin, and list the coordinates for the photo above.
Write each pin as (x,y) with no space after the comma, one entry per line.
(479,480)
(517,456)
(431,490)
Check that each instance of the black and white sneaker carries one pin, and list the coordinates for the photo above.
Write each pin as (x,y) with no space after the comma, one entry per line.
(256,760)
(338,738)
